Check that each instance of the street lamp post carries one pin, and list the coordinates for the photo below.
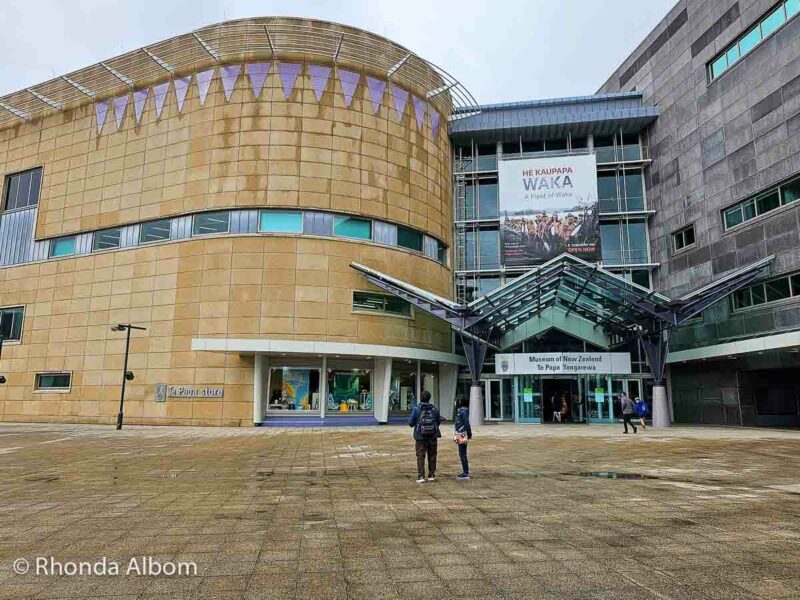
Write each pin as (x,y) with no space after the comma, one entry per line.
(126,375)
(2,377)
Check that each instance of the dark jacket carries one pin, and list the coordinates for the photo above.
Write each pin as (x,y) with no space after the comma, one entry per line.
(462,422)
(413,420)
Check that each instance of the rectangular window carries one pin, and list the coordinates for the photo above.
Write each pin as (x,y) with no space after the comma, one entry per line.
(155,231)
(62,246)
(766,202)
(208,223)
(11,323)
(766,26)
(381,303)
(773,21)
(683,238)
(441,250)
(407,238)
(106,240)
(275,221)
(53,382)
(773,290)
(487,200)
(22,189)
(352,227)
(489,249)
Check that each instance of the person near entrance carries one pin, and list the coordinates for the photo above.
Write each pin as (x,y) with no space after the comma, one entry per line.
(641,411)
(425,419)
(628,410)
(462,434)
(555,404)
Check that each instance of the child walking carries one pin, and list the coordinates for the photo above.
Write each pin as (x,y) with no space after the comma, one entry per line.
(462,435)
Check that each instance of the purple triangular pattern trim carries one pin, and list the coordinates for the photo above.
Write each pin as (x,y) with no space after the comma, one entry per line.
(319,79)
(139,98)
(159,96)
(349,82)
(288,73)
(230,73)
(376,88)
(434,120)
(203,79)
(419,110)
(400,97)
(120,102)
(258,73)
(100,112)
(181,87)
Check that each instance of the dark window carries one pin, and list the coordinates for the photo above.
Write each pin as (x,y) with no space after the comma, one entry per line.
(532,146)
(155,231)
(53,381)
(22,189)
(778,289)
(578,142)
(410,239)
(553,145)
(511,147)
(683,238)
(207,223)
(106,240)
(11,323)
(768,202)
(380,303)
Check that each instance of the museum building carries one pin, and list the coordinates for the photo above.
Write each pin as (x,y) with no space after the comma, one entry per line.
(314,225)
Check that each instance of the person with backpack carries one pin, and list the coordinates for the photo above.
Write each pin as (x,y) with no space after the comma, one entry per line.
(628,411)
(425,419)
(462,434)
(641,410)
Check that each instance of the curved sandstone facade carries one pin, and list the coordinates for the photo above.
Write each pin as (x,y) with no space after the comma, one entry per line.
(313,148)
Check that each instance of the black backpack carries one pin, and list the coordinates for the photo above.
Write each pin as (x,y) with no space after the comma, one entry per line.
(427,422)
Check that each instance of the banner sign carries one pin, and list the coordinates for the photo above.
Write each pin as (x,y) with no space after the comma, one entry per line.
(548,206)
(557,363)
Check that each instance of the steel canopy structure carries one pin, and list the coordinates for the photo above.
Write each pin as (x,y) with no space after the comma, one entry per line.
(623,309)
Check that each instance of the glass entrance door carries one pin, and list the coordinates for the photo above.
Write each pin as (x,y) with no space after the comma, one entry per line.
(494,400)
(528,398)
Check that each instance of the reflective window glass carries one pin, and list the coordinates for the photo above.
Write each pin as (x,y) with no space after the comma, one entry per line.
(791,191)
(489,240)
(733,216)
(768,202)
(719,66)
(792,8)
(773,21)
(275,221)
(53,381)
(11,323)
(407,238)
(352,227)
(22,189)
(106,240)
(208,223)
(749,41)
(487,199)
(62,246)
(155,231)
(732,54)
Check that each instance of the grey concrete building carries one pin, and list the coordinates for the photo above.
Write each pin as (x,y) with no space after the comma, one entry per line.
(724,76)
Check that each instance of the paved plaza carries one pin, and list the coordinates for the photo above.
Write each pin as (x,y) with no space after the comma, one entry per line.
(693,513)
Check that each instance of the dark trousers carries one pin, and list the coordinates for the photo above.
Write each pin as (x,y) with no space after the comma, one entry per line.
(429,446)
(462,454)
(626,420)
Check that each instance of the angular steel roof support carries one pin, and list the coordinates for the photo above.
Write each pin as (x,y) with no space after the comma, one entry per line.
(475,351)
(656,347)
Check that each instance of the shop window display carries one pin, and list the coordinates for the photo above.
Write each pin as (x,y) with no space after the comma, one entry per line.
(294,389)
(349,390)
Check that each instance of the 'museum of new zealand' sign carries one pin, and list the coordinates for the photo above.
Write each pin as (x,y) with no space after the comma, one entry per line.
(558,363)
(548,206)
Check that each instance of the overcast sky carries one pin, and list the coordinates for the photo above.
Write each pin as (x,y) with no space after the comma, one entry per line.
(501,50)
